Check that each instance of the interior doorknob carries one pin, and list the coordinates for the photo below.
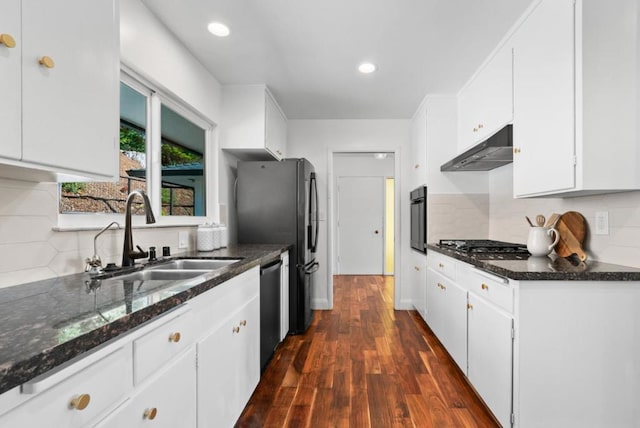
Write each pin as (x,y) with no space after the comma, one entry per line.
(376,232)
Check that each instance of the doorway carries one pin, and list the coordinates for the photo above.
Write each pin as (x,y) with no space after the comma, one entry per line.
(364,211)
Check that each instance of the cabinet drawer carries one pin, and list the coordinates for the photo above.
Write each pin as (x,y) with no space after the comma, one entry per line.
(494,289)
(159,346)
(168,400)
(79,398)
(442,264)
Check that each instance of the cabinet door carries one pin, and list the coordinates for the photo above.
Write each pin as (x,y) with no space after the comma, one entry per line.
(275,128)
(418,282)
(543,81)
(229,367)
(491,356)
(447,309)
(169,400)
(486,105)
(469,108)
(248,356)
(419,148)
(70,111)
(10,108)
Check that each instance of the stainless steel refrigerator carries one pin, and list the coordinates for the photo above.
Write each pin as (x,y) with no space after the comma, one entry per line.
(277,203)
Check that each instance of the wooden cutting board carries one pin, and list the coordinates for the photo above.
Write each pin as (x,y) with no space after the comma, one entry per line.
(572,229)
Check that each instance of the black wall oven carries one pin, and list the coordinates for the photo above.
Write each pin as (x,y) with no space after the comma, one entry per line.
(419,219)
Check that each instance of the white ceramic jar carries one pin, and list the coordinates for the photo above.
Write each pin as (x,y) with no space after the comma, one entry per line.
(205,237)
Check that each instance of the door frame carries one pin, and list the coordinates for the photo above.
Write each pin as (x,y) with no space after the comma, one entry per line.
(396,151)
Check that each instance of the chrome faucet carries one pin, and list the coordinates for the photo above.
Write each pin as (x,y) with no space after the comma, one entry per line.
(94,264)
(129,255)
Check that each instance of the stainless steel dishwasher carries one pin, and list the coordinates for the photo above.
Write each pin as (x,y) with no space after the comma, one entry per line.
(269,311)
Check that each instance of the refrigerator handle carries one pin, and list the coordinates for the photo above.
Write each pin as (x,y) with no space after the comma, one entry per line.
(309,268)
(314,215)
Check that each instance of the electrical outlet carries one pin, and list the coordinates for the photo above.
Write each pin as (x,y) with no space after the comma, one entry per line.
(602,223)
(183,239)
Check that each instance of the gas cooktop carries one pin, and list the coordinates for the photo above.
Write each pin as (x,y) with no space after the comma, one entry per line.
(486,247)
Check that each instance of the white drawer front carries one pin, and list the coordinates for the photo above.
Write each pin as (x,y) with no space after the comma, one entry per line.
(99,387)
(158,347)
(444,265)
(167,401)
(494,289)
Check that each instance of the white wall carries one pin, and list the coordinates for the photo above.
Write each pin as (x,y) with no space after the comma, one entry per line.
(29,249)
(314,140)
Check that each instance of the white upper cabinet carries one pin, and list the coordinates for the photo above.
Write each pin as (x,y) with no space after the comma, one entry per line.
(275,124)
(69,61)
(253,125)
(418,149)
(576,98)
(10,46)
(485,104)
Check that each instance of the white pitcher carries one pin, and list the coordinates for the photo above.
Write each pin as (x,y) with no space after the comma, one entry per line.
(539,242)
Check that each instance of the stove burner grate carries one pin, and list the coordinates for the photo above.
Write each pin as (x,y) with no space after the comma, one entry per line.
(483,246)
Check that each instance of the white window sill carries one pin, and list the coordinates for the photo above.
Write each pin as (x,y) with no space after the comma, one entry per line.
(80,222)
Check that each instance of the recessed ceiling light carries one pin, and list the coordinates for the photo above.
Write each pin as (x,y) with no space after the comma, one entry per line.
(367,67)
(218,29)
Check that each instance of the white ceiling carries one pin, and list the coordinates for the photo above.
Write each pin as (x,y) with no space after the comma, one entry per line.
(307,51)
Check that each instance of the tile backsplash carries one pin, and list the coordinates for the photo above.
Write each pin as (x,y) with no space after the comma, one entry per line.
(452,216)
(30,250)
(620,246)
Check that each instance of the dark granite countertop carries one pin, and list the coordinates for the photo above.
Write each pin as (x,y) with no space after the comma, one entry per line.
(550,268)
(46,323)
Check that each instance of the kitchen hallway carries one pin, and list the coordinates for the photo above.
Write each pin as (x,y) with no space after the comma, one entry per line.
(364,364)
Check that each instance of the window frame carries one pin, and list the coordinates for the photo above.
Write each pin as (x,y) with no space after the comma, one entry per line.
(155,99)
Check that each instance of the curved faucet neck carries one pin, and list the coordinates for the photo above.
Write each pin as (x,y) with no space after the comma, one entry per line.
(128,253)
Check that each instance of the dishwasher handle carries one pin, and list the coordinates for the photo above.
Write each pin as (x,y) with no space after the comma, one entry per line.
(270,267)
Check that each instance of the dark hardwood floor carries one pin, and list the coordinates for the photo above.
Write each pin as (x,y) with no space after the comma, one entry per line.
(363,364)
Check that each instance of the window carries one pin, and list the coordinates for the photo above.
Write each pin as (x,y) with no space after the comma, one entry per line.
(171,168)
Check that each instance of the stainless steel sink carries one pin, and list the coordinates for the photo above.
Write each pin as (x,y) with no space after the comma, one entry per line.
(197,264)
(161,275)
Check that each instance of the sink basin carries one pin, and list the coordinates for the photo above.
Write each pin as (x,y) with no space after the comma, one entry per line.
(161,275)
(198,264)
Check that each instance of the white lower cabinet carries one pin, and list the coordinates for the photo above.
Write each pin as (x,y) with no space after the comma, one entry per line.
(418,283)
(465,311)
(447,315)
(167,400)
(490,356)
(541,353)
(229,367)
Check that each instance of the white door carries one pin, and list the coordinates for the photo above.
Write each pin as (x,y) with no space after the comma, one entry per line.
(360,225)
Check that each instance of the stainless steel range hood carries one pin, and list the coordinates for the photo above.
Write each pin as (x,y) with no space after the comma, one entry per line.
(495,151)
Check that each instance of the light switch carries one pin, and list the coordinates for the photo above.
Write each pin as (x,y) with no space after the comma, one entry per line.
(602,223)
(183,239)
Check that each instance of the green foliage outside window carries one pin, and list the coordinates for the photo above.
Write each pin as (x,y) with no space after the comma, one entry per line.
(131,140)
(174,155)
(74,188)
